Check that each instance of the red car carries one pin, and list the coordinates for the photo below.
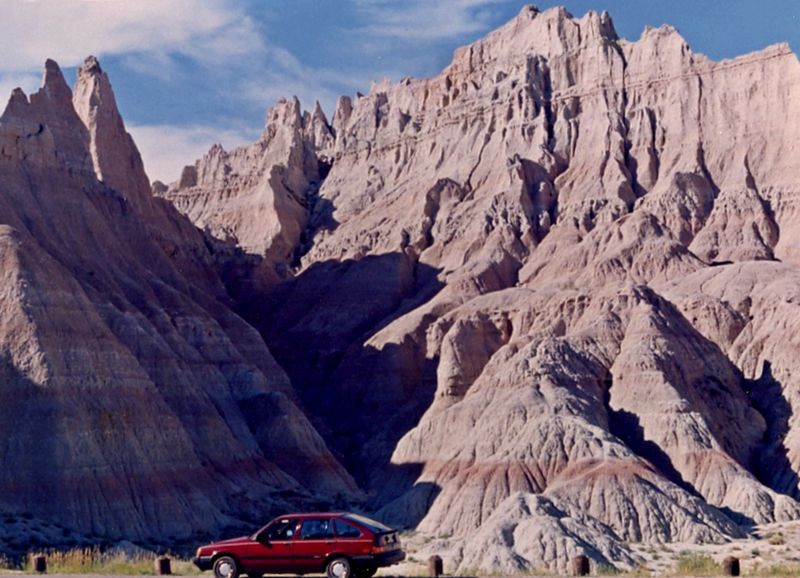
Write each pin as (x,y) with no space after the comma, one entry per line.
(342,545)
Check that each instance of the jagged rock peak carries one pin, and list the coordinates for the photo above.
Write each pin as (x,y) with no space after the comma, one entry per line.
(54,88)
(284,113)
(288,117)
(93,89)
(90,66)
(318,112)
(17,100)
(344,108)
(662,33)
(529,11)
(115,157)
(600,22)
(18,96)
(532,32)
(287,110)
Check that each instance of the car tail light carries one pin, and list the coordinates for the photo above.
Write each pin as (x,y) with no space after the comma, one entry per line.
(385,543)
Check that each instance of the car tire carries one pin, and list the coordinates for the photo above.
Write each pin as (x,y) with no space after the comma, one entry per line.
(339,567)
(226,567)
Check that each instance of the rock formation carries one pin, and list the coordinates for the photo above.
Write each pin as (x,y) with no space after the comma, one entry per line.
(543,285)
(135,403)
(543,303)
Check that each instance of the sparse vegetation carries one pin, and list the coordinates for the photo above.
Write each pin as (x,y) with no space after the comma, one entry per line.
(6,564)
(639,572)
(775,570)
(96,561)
(607,570)
(776,539)
(696,564)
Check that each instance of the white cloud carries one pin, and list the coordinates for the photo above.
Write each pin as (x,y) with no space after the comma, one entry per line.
(166,149)
(422,20)
(70,30)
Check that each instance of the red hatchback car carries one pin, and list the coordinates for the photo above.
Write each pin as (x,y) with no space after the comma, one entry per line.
(342,545)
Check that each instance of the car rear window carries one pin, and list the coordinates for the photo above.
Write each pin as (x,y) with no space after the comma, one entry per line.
(345,530)
(373,525)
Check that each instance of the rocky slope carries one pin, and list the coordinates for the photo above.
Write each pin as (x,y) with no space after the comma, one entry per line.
(543,302)
(135,404)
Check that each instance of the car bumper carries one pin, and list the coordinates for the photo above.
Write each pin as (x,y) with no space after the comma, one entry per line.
(381,560)
(203,562)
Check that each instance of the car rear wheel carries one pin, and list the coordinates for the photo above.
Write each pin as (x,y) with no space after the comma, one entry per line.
(339,568)
(226,567)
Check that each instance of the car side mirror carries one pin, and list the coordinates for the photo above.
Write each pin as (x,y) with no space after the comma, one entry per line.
(262,538)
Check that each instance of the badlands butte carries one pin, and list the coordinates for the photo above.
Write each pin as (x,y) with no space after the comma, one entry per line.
(545,303)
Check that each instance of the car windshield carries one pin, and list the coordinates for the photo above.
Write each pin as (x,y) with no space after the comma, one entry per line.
(373,525)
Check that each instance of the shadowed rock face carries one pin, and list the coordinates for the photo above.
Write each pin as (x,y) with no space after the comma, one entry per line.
(134,402)
(543,303)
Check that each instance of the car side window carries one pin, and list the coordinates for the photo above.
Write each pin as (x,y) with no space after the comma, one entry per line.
(316,529)
(345,530)
(282,529)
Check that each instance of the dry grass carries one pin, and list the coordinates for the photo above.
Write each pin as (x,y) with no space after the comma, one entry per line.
(111,562)
(775,570)
(776,539)
(696,564)
(6,564)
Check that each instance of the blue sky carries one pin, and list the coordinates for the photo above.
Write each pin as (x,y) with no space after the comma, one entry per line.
(188,73)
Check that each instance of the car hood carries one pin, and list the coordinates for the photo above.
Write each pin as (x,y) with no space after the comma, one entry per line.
(232,540)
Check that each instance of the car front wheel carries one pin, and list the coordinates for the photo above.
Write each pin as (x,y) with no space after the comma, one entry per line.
(225,567)
(339,568)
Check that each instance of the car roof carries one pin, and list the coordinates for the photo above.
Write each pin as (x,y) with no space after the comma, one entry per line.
(312,514)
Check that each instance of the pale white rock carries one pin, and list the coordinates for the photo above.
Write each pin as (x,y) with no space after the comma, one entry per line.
(529,532)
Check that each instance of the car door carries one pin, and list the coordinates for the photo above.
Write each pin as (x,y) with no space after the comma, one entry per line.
(274,548)
(314,542)
(351,540)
